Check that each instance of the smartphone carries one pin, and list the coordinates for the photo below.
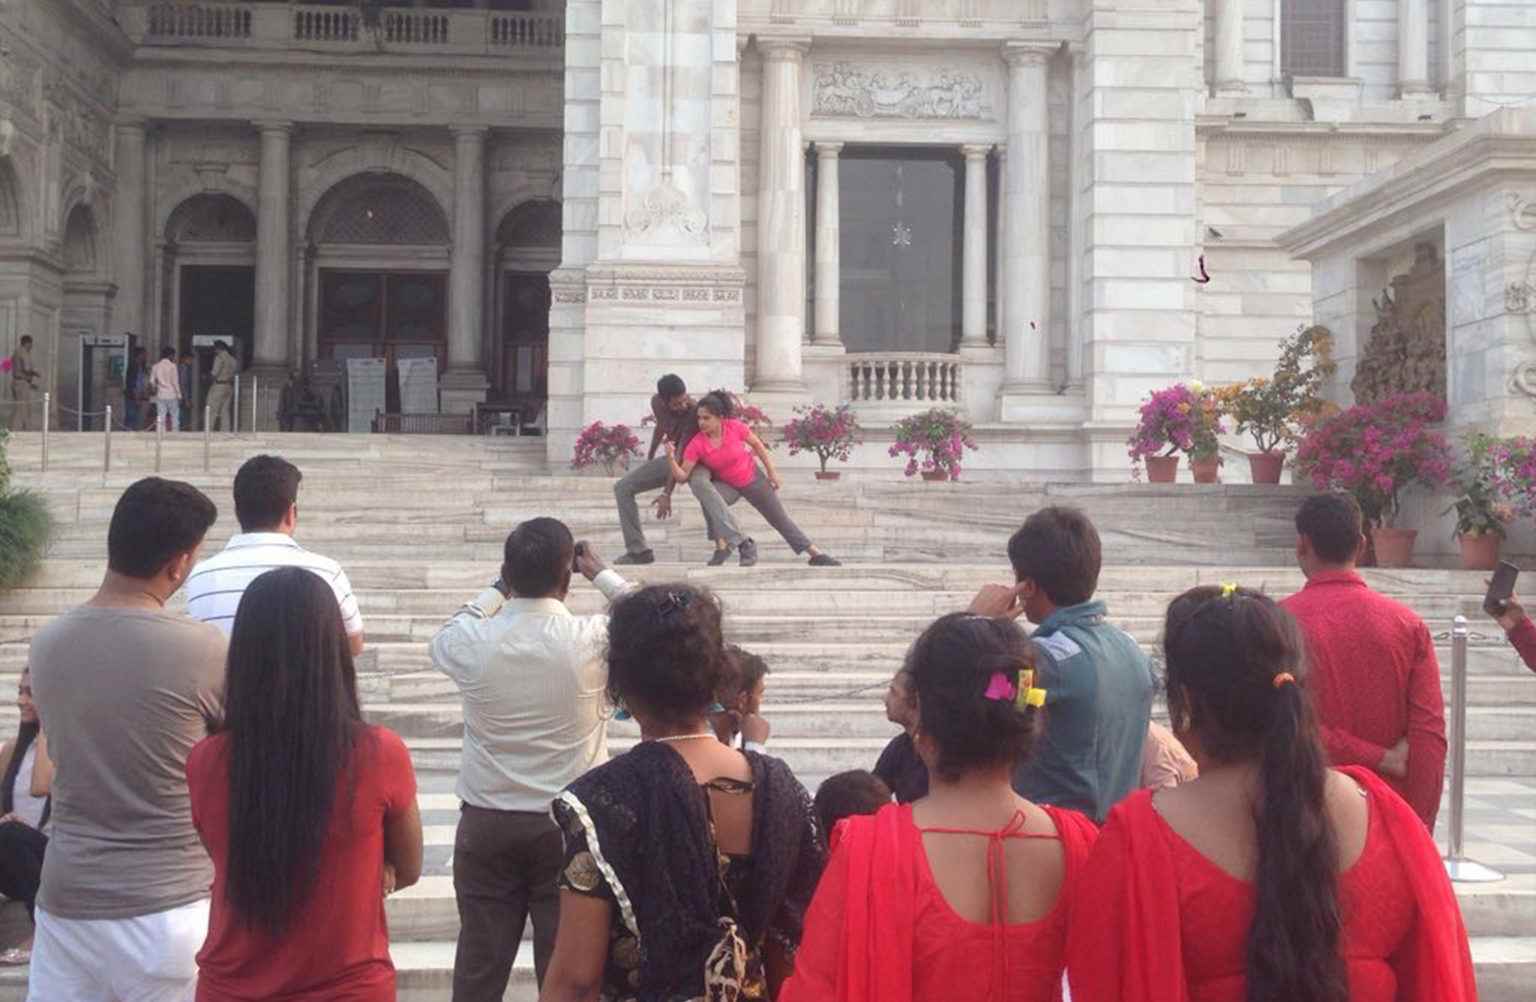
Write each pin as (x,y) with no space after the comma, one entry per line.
(1500,588)
(581,548)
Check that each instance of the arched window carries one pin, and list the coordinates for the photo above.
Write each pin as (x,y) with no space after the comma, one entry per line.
(1313,36)
(10,209)
(379,209)
(80,240)
(212,218)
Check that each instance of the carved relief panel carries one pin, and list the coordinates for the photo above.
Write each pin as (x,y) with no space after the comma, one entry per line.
(1406,350)
(939,91)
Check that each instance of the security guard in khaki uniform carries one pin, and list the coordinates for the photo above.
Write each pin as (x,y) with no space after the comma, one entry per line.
(24,383)
(221,393)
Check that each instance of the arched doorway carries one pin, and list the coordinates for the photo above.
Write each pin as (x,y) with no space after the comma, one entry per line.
(378,257)
(210,246)
(527,250)
(84,312)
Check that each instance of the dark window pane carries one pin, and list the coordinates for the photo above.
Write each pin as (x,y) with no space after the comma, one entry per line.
(900,248)
(1313,38)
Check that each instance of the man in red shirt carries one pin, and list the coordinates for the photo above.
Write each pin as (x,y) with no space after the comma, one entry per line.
(1520,629)
(1374,679)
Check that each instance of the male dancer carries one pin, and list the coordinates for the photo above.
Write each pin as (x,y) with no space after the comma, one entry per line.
(677,422)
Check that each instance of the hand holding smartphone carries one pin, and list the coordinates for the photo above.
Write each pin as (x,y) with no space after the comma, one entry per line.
(1500,588)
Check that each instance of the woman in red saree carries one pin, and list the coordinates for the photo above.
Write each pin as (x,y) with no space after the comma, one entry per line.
(1271,878)
(963,894)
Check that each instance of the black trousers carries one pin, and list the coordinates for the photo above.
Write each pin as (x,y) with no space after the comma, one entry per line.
(506,865)
(21,861)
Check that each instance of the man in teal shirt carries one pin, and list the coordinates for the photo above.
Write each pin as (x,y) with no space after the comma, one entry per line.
(1098,681)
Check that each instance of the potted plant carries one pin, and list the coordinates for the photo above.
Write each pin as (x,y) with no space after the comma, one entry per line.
(829,434)
(606,445)
(938,435)
(1512,473)
(1268,409)
(1181,418)
(1374,452)
(25,527)
(1480,515)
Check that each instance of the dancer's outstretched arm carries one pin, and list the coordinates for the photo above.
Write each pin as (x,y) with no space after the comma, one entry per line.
(680,473)
(765,457)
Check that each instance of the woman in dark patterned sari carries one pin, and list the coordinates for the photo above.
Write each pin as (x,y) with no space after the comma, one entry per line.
(689,865)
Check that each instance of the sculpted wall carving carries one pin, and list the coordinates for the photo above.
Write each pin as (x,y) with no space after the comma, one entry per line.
(845,89)
(1406,350)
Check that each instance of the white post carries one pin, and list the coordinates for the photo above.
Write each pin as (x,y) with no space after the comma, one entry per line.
(255,396)
(47,411)
(207,438)
(234,409)
(106,443)
(1457,865)
(159,438)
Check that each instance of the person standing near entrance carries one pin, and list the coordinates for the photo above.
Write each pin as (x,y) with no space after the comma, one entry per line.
(222,388)
(166,380)
(535,718)
(24,387)
(676,422)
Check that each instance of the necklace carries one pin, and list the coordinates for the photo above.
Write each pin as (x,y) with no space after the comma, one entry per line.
(686,737)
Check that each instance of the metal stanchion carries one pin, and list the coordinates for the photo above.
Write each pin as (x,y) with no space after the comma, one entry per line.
(1457,865)
(234,409)
(159,438)
(255,396)
(106,446)
(47,413)
(207,438)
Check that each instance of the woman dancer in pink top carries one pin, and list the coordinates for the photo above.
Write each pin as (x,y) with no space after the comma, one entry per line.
(726,447)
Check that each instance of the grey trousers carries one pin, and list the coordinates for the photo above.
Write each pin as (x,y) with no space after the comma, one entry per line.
(761,495)
(506,869)
(653,476)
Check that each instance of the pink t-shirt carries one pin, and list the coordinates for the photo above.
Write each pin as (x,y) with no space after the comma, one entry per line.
(731,461)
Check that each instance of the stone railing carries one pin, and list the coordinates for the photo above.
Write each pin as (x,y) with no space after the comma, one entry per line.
(528,30)
(394,29)
(198,20)
(903,378)
(325,24)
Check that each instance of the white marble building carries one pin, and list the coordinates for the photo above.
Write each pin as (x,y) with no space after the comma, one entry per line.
(996,205)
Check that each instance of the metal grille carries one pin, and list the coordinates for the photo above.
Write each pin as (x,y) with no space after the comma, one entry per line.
(212,219)
(383,210)
(1312,38)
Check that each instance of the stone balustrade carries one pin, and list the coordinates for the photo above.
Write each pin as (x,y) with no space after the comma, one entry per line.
(198,20)
(393,29)
(921,379)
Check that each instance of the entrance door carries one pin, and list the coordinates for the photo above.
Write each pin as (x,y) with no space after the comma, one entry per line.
(388,315)
(525,337)
(218,300)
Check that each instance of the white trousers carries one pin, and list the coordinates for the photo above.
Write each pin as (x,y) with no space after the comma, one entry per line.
(168,413)
(148,958)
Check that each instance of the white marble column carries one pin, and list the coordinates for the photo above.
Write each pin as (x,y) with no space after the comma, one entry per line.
(128,244)
(780,221)
(973,268)
(1413,48)
(464,276)
(271,348)
(1229,48)
(828,247)
(1027,250)
(999,280)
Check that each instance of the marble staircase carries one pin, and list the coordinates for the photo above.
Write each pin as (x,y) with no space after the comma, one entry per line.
(418,522)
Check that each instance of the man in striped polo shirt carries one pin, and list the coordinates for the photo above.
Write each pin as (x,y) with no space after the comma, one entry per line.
(266,504)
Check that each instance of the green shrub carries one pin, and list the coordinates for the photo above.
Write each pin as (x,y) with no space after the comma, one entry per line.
(25,526)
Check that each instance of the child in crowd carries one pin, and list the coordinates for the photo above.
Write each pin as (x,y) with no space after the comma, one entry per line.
(847,794)
(739,720)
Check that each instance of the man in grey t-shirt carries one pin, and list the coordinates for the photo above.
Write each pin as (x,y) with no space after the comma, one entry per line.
(126,689)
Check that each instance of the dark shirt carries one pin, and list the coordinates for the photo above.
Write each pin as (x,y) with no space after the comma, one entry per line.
(680,428)
(901,769)
(1098,684)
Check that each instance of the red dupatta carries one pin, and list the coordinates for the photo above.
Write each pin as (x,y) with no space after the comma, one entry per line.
(1127,947)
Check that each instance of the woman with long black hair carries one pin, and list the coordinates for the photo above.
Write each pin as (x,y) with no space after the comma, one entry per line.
(26,777)
(1270,878)
(308,813)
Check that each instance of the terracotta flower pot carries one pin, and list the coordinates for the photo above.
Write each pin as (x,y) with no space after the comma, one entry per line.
(1207,469)
(1162,469)
(1266,466)
(828,474)
(1394,547)
(1480,553)
(935,475)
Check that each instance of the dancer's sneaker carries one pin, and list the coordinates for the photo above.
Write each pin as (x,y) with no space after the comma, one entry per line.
(635,559)
(719,557)
(825,560)
(748,552)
